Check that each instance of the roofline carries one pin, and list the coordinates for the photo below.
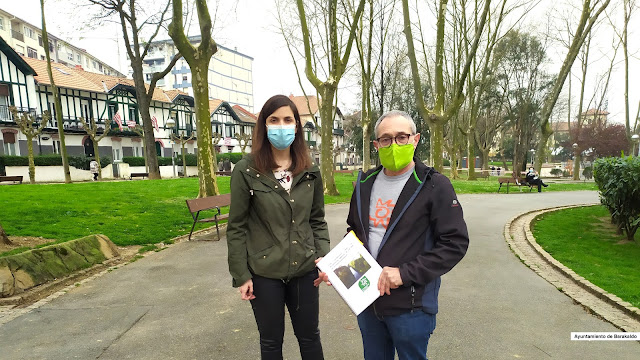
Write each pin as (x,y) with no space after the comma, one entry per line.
(13,56)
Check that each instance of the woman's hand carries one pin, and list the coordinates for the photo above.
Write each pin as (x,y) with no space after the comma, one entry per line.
(321,276)
(246,290)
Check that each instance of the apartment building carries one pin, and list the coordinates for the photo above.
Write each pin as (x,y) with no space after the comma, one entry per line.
(230,72)
(26,40)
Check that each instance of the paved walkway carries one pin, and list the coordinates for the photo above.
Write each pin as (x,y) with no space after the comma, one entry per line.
(178,304)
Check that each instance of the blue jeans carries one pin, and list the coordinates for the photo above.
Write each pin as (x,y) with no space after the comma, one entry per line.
(408,334)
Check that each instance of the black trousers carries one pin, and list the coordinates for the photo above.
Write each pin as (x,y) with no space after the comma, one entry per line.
(301,299)
(537,182)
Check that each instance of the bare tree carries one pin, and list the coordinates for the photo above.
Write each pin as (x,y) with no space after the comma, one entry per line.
(337,56)
(93,130)
(446,105)
(133,31)
(57,102)
(26,122)
(591,10)
(198,59)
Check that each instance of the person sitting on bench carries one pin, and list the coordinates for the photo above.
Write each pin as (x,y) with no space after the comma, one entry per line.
(533,178)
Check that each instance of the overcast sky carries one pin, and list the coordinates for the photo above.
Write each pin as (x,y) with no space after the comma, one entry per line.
(248,26)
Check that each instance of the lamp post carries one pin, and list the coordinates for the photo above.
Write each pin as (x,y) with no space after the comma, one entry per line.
(635,138)
(170,123)
(533,153)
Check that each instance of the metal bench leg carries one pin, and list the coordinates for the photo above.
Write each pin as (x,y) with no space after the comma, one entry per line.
(195,220)
(217,229)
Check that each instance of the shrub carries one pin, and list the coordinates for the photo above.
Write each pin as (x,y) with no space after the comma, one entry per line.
(566,173)
(162,161)
(133,160)
(617,180)
(83,162)
(556,172)
(446,162)
(233,157)
(191,160)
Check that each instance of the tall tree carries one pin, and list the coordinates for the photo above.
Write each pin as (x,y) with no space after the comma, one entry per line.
(591,10)
(198,59)
(93,130)
(133,31)
(57,102)
(26,124)
(446,105)
(337,56)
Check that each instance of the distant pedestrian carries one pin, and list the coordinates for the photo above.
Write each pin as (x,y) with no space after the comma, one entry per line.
(226,165)
(277,230)
(493,170)
(498,170)
(533,179)
(93,167)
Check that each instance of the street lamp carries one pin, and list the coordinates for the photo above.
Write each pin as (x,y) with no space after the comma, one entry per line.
(533,152)
(636,139)
(170,123)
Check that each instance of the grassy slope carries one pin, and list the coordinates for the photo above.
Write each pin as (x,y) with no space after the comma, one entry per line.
(584,240)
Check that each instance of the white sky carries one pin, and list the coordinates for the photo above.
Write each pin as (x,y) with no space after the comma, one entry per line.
(248,26)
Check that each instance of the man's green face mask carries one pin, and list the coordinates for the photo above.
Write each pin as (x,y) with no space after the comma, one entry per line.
(396,157)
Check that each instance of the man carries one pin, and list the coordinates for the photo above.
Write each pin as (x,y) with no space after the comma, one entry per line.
(533,179)
(409,218)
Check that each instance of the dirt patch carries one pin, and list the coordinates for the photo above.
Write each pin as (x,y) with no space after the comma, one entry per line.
(24,241)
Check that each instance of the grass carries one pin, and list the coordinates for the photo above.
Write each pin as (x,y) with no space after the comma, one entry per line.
(141,212)
(584,240)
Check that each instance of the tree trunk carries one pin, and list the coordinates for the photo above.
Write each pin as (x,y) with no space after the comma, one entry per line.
(184,160)
(32,165)
(206,153)
(56,101)
(366,146)
(96,151)
(4,239)
(144,102)
(326,136)
(485,159)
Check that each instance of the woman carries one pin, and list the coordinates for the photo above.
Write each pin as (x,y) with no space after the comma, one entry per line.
(533,179)
(277,230)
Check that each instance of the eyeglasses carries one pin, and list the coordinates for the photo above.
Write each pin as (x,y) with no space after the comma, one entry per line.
(400,139)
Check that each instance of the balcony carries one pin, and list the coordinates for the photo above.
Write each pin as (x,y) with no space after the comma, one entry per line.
(17,35)
(182,85)
(5,114)
(182,70)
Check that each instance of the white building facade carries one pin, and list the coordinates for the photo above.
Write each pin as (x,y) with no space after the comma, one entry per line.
(26,40)
(230,73)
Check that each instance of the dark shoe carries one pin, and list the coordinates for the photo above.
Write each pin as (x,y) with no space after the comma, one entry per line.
(545,185)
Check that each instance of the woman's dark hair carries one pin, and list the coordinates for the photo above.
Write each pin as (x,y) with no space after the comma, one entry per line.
(261,147)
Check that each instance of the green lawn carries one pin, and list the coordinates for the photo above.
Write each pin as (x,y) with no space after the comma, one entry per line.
(584,240)
(141,211)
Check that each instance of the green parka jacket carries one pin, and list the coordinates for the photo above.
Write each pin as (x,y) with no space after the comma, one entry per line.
(271,232)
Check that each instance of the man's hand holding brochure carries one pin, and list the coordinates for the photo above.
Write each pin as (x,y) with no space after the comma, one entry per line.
(353,272)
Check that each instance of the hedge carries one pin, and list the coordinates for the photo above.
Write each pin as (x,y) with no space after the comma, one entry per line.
(233,157)
(80,162)
(191,159)
(139,160)
(617,180)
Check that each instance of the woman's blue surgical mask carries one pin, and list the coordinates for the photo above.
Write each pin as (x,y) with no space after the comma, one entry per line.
(281,136)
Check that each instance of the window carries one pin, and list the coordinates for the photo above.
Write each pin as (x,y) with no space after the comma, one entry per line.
(20,49)
(79,58)
(100,67)
(1,23)
(95,65)
(32,53)
(42,57)
(70,56)
(148,76)
(50,46)
(29,32)
(39,40)
(9,139)
(184,78)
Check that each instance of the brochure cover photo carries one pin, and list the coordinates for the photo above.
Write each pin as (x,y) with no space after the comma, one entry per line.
(353,272)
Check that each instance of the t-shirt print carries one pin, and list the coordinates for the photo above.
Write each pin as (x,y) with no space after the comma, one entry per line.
(382,213)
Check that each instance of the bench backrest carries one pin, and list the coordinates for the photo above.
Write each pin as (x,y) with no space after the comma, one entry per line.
(209,202)
(11,178)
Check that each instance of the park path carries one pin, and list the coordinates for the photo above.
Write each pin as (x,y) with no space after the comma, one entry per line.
(179,304)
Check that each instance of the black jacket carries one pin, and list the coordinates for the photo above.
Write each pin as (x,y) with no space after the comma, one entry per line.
(426,237)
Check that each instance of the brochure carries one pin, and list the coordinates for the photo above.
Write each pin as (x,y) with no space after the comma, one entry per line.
(353,272)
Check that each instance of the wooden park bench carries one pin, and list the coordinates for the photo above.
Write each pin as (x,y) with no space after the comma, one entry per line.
(14,179)
(142,175)
(208,203)
(515,181)
(223,173)
(482,175)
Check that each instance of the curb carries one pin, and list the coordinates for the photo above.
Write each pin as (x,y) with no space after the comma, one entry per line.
(580,281)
